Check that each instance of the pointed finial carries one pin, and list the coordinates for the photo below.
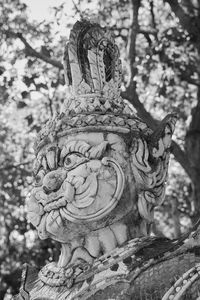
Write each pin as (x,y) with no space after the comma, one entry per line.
(91,60)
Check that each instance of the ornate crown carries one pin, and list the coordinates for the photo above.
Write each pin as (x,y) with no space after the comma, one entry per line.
(93,74)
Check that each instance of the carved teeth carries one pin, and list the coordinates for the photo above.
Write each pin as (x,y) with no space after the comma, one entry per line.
(107,240)
(65,255)
(51,159)
(81,253)
(68,192)
(120,232)
(92,245)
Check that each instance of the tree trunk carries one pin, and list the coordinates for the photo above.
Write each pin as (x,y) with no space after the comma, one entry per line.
(191,23)
(192,148)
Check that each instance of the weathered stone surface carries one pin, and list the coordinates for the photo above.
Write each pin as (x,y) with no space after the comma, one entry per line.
(99,172)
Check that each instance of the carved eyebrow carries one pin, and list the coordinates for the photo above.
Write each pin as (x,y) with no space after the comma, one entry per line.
(83,148)
(74,146)
(40,163)
(36,166)
(49,160)
(98,150)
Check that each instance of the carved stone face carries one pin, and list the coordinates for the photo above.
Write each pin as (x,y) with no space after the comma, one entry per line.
(80,185)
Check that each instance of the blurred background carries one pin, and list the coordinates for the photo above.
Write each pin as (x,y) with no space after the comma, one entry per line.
(159,43)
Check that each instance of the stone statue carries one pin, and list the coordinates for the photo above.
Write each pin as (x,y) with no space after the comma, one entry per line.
(99,172)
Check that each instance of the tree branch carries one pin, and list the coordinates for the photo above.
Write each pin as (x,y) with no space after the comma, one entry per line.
(153,18)
(141,111)
(32,52)
(77,9)
(142,30)
(15,166)
(178,153)
(130,94)
(147,31)
(183,76)
(182,158)
(190,24)
(132,44)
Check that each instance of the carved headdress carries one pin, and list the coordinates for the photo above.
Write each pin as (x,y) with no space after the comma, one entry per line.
(93,75)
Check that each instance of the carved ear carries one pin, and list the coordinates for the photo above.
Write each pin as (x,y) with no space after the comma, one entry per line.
(149,161)
(160,140)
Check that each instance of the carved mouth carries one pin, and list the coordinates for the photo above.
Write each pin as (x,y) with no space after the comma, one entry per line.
(79,194)
(86,201)
(76,214)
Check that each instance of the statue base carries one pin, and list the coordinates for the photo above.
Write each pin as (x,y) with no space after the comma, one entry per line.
(146,268)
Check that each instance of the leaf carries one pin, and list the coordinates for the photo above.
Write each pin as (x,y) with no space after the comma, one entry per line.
(21,104)
(29,119)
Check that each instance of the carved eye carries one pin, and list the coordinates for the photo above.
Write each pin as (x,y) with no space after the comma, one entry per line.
(39,177)
(73,160)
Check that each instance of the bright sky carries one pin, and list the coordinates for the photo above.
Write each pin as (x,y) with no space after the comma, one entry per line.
(40,9)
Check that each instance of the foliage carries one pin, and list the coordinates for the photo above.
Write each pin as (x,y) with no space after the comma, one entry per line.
(160,57)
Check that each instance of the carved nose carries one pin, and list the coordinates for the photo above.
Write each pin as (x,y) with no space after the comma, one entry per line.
(53,181)
(46,190)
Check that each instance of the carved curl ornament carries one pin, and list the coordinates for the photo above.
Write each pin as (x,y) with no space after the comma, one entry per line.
(99,169)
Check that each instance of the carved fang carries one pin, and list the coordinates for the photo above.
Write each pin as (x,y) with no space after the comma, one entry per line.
(65,255)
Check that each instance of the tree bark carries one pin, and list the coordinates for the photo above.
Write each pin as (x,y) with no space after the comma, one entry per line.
(192,148)
(191,24)
(131,94)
